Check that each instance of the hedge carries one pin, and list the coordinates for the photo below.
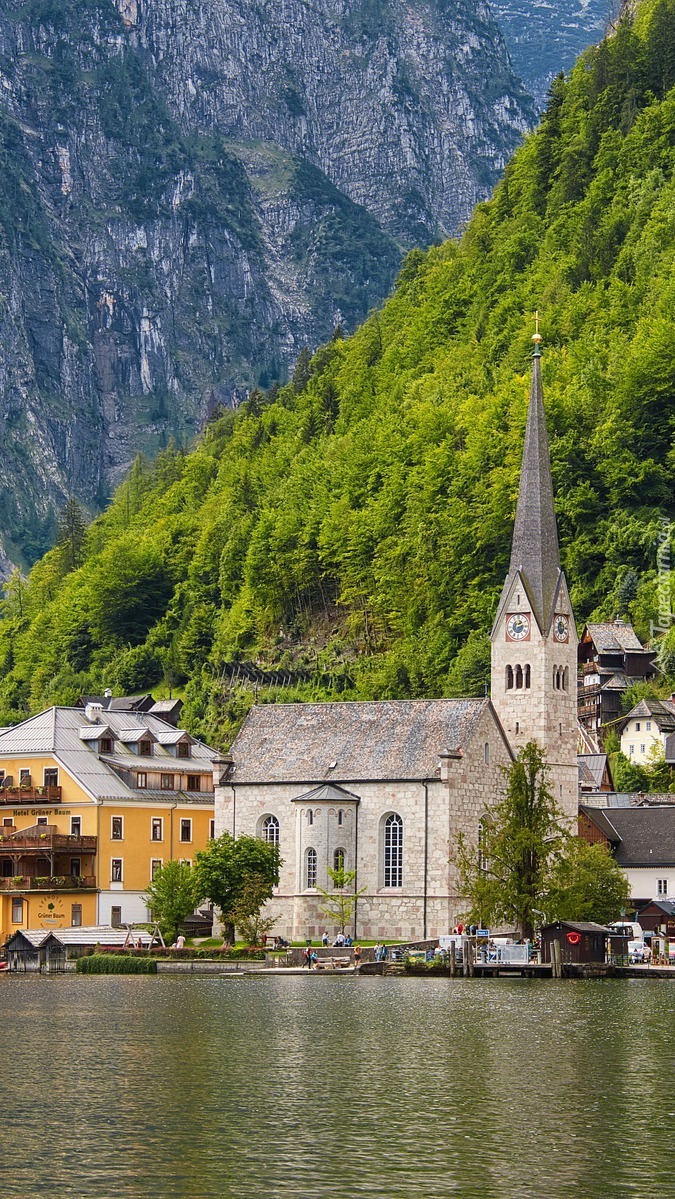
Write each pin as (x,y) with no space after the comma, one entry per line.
(231,955)
(104,963)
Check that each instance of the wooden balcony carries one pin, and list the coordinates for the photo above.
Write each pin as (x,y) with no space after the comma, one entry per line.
(58,882)
(46,840)
(28,795)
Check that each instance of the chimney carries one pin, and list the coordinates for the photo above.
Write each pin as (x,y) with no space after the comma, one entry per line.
(448,756)
(93,712)
(222,769)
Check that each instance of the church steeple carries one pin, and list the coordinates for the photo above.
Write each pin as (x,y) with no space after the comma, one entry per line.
(534,639)
(534,549)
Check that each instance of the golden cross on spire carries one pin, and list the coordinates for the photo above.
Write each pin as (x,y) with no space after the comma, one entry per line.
(536,336)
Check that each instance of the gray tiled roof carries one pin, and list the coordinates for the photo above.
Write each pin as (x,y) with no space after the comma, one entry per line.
(614,637)
(328,792)
(661,711)
(643,836)
(57,731)
(343,742)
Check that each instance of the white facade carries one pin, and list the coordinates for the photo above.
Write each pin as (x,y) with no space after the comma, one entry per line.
(642,739)
(647,882)
(132,905)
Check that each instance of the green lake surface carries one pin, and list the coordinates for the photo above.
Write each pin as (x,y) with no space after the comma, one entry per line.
(313,1087)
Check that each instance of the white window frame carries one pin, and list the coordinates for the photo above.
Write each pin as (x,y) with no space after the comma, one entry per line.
(121,877)
(154,820)
(155,864)
(16,903)
(112,826)
(270,823)
(141,786)
(79,820)
(185,840)
(392,851)
(311,868)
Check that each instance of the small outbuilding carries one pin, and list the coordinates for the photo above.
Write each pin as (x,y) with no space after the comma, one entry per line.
(34,950)
(584,942)
(658,916)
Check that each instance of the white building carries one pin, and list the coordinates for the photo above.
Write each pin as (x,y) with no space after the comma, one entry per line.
(646,730)
(642,840)
(386,788)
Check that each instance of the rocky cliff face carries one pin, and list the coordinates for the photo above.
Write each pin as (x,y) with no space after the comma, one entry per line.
(192,190)
(547,36)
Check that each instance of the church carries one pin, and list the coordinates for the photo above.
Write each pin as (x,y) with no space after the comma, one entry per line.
(384,788)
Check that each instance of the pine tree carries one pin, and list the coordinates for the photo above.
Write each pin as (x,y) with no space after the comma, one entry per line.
(71,536)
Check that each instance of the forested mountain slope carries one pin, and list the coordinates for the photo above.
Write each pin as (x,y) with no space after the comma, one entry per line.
(353,528)
(191,193)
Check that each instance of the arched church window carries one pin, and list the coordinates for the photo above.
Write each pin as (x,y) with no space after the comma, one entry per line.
(341,816)
(270,830)
(339,859)
(486,753)
(509,678)
(310,868)
(519,678)
(393,851)
(527,676)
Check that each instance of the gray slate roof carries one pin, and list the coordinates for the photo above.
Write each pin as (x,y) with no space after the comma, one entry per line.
(641,836)
(534,549)
(659,710)
(57,731)
(328,792)
(388,739)
(614,637)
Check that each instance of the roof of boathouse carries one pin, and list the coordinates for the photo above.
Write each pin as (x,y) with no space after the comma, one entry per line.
(360,741)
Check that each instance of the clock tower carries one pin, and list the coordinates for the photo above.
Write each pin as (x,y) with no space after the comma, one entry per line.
(534,639)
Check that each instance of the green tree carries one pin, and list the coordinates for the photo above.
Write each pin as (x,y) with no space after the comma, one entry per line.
(172,896)
(339,904)
(585,883)
(71,536)
(503,877)
(230,867)
(247,913)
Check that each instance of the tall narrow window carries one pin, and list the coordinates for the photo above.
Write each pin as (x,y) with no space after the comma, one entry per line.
(17,911)
(341,817)
(186,829)
(509,678)
(566,678)
(486,753)
(212,829)
(117,828)
(527,676)
(116,870)
(270,830)
(157,828)
(310,816)
(393,851)
(339,859)
(76,915)
(310,868)
(155,867)
(75,826)
(519,678)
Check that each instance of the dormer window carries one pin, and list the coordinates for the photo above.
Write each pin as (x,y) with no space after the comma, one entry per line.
(105,745)
(145,749)
(183,749)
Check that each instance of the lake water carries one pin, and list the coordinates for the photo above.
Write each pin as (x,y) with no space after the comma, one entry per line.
(313,1087)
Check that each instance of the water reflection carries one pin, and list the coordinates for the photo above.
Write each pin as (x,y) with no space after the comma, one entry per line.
(310,1087)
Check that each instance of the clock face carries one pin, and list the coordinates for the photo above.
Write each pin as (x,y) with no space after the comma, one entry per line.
(561,628)
(517,627)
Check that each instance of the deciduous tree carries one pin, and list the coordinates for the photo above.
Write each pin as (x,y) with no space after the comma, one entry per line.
(173,895)
(229,866)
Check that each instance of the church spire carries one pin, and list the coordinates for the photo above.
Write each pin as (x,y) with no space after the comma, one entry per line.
(534,549)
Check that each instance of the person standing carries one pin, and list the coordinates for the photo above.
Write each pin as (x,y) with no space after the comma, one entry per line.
(324,939)
(357,956)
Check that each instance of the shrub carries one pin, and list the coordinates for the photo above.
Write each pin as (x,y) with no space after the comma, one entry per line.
(104,963)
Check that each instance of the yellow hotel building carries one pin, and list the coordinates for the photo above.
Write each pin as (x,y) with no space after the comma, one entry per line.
(92,802)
